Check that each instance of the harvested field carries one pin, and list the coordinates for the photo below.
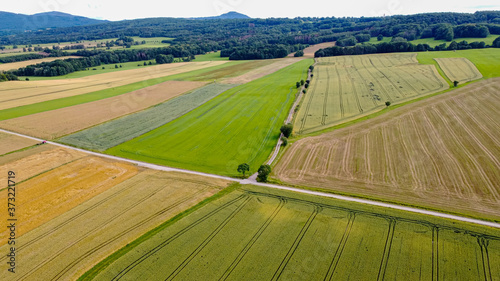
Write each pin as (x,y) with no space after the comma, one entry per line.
(347,87)
(16,65)
(123,129)
(459,69)
(60,122)
(36,161)
(72,243)
(261,71)
(309,51)
(257,234)
(29,92)
(12,143)
(442,152)
(53,193)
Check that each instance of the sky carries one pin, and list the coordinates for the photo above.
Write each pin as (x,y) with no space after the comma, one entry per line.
(122,9)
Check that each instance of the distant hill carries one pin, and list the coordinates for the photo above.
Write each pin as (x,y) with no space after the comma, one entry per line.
(230,15)
(13,23)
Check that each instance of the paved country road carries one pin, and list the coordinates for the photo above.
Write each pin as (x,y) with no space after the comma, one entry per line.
(253,182)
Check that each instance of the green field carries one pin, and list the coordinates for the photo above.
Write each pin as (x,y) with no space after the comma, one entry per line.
(123,129)
(348,87)
(241,125)
(433,43)
(261,234)
(210,57)
(486,60)
(98,70)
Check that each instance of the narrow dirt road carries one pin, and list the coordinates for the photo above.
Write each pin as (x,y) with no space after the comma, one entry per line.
(253,182)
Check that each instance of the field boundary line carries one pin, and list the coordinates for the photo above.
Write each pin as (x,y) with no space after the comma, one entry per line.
(283,187)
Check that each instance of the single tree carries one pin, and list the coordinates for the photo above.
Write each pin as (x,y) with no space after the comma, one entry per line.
(380,37)
(496,43)
(311,67)
(243,168)
(284,141)
(455,83)
(297,84)
(306,85)
(302,82)
(263,173)
(299,53)
(286,130)
(387,103)
(304,91)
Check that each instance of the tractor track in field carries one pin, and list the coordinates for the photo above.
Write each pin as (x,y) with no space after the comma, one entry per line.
(131,228)
(280,187)
(254,239)
(177,235)
(296,243)
(387,250)
(207,240)
(340,248)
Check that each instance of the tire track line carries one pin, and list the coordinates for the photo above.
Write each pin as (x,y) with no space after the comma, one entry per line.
(133,227)
(325,101)
(413,170)
(481,172)
(207,240)
(338,253)
(177,235)
(254,239)
(483,244)
(435,253)
(296,243)
(387,250)
(442,147)
(435,166)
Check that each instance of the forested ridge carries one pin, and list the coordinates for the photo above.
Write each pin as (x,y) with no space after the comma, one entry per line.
(243,39)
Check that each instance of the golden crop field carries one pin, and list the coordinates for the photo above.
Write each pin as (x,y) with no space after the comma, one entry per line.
(32,162)
(459,69)
(63,121)
(70,244)
(442,152)
(18,93)
(54,192)
(344,88)
(12,143)
(16,65)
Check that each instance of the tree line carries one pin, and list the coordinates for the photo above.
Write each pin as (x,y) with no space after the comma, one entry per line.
(93,58)
(399,46)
